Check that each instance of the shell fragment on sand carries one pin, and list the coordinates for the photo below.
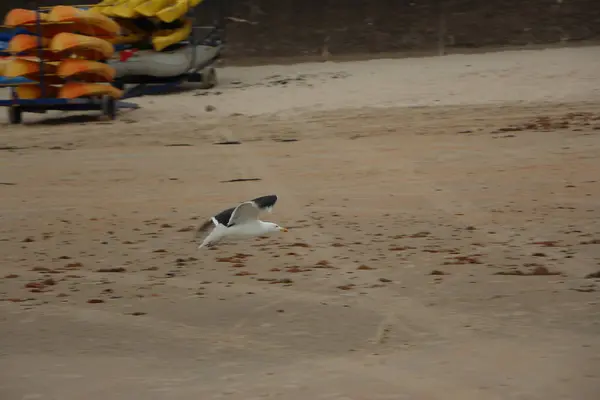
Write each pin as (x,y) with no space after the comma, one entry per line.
(85,70)
(90,48)
(73,90)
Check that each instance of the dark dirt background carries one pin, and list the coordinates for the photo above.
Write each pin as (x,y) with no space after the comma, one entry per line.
(283,28)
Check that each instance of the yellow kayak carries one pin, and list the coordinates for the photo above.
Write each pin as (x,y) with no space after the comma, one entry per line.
(177,10)
(166,38)
(127,9)
(104,5)
(109,8)
(130,33)
(151,7)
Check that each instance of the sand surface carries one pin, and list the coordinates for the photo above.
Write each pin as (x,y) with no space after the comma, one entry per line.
(444,233)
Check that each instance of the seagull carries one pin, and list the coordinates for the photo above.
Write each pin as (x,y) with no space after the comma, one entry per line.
(239,222)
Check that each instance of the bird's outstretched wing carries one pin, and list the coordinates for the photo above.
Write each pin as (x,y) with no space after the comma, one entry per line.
(265,203)
(245,212)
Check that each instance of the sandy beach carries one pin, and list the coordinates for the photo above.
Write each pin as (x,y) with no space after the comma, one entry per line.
(444,237)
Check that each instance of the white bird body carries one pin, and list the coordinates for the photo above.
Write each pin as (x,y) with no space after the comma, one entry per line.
(240,222)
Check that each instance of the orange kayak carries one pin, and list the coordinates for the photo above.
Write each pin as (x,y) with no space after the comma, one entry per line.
(3,63)
(73,90)
(85,70)
(21,17)
(63,19)
(35,91)
(86,22)
(90,48)
(30,69)
(26,44)
(27,19)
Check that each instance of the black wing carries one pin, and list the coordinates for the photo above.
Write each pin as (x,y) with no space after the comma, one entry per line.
(224,216)
(265,202)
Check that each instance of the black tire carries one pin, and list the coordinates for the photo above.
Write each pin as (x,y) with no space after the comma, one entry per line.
(209,78)
(15,115)
(109,107)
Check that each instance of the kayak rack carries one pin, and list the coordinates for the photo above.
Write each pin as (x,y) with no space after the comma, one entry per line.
(17,106)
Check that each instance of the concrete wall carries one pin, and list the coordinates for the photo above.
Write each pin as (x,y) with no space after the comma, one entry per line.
(309,27)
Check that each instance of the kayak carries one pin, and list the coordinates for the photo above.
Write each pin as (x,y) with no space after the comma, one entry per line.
(29,91)
(85,70)
(73,90)
(31,69)
(166,38)
(176,10)
(90,48)
(86,22)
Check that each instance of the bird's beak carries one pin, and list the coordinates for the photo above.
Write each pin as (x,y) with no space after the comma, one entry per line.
(283,229)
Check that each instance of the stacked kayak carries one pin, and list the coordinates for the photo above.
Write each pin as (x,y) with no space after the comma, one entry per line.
(165,10)
(155,36)
(61,63)
(161,12)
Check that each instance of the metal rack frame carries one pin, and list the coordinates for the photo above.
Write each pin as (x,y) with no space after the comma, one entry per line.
(17,106)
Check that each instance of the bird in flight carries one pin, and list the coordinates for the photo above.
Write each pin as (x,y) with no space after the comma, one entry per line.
(239,222)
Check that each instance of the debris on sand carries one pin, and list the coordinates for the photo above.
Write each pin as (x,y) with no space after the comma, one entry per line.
(539,270)
(438,272)
(113,269)
(365,268)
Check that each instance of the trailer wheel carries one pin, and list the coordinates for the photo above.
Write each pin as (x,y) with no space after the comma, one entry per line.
(209,78)
(109,107)
(15,115)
